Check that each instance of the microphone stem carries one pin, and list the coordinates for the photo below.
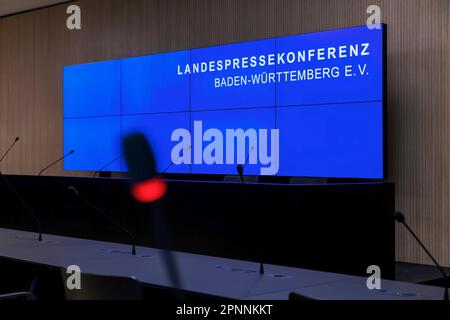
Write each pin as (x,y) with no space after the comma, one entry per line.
(162,238)
(106,166)
(89,203)
(261,264)
(30,212)
(48,167)
(426,250)
(172,164)
(446,295)
(7,151)
(261,268)
(60,159)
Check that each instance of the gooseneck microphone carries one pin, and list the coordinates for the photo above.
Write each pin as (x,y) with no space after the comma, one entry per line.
(106,166)
(400,218)
(9,149)
(240,170)
(173,163)
(74,191)
(18,196)
(261,264)
(56,162)
(149,189)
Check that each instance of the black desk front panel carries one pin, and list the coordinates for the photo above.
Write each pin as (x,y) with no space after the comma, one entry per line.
(339,228)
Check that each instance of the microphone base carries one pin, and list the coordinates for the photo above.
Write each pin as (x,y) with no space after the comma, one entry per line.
(105,174)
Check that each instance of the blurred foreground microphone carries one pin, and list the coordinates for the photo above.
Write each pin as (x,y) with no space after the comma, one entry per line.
(148,188)
(74,191)
(56,162)
(17,194)
(400,218)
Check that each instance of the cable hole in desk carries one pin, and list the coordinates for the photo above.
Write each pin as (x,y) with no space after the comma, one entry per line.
(279,276)
(35,240)
(230,269)
(126,253)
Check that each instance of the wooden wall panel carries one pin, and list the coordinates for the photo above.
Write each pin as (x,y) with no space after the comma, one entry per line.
(35,46)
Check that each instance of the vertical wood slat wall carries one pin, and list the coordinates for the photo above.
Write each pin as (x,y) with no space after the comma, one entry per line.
(34,47)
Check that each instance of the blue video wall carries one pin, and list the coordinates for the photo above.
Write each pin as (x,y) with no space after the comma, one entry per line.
(306,105)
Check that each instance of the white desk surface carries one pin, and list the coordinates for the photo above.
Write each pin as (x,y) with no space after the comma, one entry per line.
(207,275)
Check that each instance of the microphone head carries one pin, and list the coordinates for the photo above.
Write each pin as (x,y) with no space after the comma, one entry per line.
(139,158)
(240,169)
(399,217)
(17,139)
(72,190)
(146,186)
(72,152)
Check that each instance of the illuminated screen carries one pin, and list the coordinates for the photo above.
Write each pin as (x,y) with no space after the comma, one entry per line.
(307,105)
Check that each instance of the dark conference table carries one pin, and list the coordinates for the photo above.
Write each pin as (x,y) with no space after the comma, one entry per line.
(205,275)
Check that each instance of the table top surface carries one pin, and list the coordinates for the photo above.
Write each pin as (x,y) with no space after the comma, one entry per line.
(227,278)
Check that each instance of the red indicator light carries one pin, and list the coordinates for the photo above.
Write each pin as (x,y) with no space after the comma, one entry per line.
(149,191)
